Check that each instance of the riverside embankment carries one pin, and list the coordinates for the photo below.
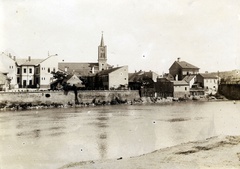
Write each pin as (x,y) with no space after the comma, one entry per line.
(61,98)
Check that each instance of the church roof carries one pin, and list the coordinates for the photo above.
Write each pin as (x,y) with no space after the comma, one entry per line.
(79,68)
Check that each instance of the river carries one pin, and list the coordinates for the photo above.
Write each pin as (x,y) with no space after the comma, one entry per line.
(51,138)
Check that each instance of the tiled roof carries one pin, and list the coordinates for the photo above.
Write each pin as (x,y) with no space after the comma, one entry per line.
(140,76)
(79,68)
(186,65)
(208,76)
(26,62)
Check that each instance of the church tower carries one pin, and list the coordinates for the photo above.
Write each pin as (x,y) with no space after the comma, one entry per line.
(102,55)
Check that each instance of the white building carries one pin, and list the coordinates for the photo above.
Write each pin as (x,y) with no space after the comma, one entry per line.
(208,81)
(181,89)
(10,67)
(29,73)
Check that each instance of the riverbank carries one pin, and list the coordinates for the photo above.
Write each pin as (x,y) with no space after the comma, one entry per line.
(222,152)
(15,105)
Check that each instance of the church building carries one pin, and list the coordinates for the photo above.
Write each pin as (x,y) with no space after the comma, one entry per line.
(87,69)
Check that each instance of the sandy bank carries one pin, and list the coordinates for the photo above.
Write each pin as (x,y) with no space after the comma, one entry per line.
(216,152)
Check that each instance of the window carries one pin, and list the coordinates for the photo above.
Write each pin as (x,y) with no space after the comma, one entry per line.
(30,70)
(18,80)
(54,69)
(24,70)
(49,70)
(30,82)
(185,88)
(18,70)
(37,70)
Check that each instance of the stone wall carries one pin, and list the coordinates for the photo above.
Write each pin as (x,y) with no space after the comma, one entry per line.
(64,98)
(88,96)
(37,97)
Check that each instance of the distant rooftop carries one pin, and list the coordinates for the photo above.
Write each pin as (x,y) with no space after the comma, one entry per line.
(186,65)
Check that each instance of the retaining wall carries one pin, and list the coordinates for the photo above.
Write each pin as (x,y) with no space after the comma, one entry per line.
(64,98)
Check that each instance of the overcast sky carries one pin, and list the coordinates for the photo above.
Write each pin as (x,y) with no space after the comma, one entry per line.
(147,35)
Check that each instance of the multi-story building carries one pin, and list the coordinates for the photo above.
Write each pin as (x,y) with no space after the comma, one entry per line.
(208,82)
(29,73)
(180,69)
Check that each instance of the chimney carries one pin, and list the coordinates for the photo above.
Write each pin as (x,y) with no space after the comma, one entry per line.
(10,55)
(14,58)
(178,59)
(29,58)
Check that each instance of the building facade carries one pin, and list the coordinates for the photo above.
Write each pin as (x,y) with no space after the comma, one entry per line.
(181,89)
(114,78)
(208,82)
(29,73)
(180,69)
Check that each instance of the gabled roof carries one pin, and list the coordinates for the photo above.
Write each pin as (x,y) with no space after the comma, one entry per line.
(188,78)
(138,76)
(208,76)
(186,65)
(163,79)
(26,62)
(106,72)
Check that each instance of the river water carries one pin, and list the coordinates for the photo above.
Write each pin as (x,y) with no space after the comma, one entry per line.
(52,138)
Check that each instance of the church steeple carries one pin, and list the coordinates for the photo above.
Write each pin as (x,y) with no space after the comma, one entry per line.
(102,55)
(102,41)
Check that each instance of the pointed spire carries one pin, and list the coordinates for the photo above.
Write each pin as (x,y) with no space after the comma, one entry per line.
(102,42)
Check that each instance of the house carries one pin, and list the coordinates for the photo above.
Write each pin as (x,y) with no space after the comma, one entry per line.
(144,82)
(88,69)
(208,82)
(114,78)
(180,69)
(181,89)
(164,87)
(29,73)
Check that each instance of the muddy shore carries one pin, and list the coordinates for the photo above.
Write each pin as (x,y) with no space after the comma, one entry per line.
(222,152)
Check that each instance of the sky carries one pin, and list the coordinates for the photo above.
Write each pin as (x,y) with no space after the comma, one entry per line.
(145,35)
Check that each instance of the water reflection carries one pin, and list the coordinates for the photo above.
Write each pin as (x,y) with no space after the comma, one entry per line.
(55,137)
(102,125)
